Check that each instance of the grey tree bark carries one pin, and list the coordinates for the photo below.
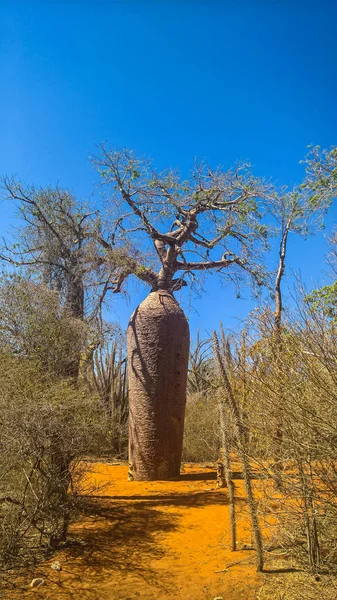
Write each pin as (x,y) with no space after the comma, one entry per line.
(158,350)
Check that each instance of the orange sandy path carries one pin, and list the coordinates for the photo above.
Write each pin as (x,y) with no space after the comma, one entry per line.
(151,540)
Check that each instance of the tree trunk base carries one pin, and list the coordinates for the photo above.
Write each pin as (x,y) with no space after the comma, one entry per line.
(158,349)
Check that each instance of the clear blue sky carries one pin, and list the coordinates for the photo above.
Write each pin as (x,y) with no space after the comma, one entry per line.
(216,79)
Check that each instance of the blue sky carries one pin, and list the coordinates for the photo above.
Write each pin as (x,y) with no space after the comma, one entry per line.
(220,80)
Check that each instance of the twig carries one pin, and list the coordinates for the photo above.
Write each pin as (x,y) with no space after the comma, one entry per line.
(237,562)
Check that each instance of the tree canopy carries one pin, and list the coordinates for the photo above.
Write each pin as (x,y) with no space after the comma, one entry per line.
(163,224)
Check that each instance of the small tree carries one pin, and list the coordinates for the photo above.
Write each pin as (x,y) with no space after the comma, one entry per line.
(300,213)
(210,221)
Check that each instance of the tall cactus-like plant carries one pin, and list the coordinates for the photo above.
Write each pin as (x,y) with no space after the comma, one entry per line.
(201,367)
(109,374)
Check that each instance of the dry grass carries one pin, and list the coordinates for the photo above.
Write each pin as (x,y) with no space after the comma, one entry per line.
(284,582)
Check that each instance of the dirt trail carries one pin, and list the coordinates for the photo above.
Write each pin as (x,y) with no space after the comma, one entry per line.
(151,540)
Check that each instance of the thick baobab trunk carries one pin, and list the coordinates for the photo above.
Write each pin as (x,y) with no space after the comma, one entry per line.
(158,349)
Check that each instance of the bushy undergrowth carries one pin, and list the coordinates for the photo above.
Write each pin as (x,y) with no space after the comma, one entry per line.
(201,435)
(54,411)
(46,426)
(291,403)
(285,388)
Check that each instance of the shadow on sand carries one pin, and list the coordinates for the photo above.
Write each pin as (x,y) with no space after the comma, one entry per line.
(120,537)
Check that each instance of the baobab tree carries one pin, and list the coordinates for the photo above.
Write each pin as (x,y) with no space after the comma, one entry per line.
(209,222)
(56,244)
(53,240)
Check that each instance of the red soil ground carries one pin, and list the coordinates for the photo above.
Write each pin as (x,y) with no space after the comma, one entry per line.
(151,540)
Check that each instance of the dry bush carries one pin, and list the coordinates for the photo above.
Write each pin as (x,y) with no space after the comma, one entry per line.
(201,433)
(35,325)
(292,412)
(201,436)
(46,426)
(48,420)
(285,390)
